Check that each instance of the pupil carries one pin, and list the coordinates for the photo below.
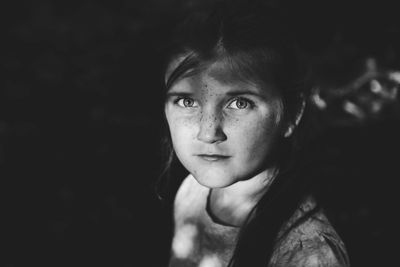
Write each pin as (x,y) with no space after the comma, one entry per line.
(187,102)
(241,104)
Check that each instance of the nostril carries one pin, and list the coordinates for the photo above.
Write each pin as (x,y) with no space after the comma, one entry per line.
(211,132)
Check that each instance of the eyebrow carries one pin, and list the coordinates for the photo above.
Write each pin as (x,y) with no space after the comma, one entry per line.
(244,92)
(231,93)
(171,94)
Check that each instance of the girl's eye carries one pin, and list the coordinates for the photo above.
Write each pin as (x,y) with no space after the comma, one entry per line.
(186,102)
(240,103)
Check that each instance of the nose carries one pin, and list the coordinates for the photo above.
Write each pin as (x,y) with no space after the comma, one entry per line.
(210,130)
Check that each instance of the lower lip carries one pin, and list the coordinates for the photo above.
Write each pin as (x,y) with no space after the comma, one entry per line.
(213,158)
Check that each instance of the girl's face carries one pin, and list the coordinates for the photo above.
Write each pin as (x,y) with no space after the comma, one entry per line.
(222,129)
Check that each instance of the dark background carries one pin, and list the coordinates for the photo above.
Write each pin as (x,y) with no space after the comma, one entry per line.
(80,124)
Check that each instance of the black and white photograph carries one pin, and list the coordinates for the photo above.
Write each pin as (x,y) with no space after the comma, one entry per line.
(200,133)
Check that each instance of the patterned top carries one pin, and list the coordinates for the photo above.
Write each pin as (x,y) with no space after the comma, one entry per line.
(200,241)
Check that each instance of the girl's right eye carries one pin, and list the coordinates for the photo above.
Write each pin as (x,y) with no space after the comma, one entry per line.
(185,102)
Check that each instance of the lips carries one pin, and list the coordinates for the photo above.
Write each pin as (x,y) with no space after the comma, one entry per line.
(213,157)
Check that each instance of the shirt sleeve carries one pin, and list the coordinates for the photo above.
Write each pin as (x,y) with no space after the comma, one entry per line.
(309,241)
(323,250)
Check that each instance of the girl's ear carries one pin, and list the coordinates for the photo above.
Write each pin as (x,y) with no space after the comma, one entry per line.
(293,124)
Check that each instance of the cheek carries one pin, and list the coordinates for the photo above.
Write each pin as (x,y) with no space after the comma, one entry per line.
(182,130)
(255,136)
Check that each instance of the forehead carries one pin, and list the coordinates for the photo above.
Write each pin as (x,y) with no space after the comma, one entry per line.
(223,73)
(218,77)
(220,69)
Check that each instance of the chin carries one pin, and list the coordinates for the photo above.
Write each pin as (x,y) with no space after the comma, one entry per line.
(213,181)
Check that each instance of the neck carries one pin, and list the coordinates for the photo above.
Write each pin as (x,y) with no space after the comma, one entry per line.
(231,205)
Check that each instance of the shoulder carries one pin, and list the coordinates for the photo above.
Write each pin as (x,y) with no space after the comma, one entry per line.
(309,240)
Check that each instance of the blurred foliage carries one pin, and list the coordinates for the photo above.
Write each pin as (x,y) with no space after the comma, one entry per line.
(370,97)
(80,120)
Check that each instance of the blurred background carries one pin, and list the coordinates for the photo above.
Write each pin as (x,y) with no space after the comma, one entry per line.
(80,127)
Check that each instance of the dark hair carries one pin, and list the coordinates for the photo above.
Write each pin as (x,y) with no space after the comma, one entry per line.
(256,43)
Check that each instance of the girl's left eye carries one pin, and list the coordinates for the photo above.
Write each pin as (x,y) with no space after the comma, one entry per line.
(240,103)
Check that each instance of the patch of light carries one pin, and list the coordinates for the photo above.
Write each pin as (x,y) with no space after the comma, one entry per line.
(375,86)
(318,101)
(210,261)
(376,107)
(395,76)
(371,64)
(183,242)
(353,109)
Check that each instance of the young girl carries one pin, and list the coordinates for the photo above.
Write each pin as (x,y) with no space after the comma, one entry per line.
(236,93)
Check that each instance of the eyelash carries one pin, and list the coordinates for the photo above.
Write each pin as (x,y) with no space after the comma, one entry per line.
(249,102)
(180,98)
